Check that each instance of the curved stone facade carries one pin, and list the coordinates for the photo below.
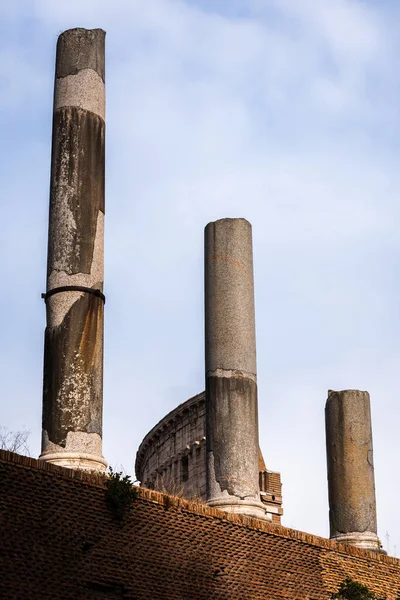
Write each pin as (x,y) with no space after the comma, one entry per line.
(172,458)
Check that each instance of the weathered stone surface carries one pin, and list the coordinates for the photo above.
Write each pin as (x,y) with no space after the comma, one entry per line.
(230,324)
(231,388)
(232,430)
(172,459)
(79,49)
(73,360)
(77,191)
(84,90)
(72,390)
(352,506)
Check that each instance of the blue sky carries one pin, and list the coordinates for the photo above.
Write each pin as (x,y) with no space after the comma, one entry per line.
(281,111)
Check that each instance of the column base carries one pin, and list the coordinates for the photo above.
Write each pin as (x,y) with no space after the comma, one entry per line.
(75,460)
(366,540)
(248,507)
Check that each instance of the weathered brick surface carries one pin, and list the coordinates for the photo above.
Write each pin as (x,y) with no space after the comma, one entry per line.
(59,540)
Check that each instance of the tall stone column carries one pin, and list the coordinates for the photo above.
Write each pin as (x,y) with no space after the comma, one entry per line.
(73,354)
(351,482)
(231,380)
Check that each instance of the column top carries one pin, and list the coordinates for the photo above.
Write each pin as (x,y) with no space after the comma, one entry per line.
(228,219)
(346,396)
(351,391)
(79,49)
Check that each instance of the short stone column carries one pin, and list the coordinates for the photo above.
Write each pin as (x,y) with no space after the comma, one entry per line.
(73,355)
(351,483)
(231,380)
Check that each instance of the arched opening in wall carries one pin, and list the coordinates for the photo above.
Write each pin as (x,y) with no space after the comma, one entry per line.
(185,469)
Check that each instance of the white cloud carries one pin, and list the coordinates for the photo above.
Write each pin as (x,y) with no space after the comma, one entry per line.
(350,28)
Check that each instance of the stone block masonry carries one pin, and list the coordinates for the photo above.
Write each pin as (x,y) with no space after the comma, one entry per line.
(172,459)
(73,355)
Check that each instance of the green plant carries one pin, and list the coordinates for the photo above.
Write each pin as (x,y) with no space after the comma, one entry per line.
(120,493)
(352,590)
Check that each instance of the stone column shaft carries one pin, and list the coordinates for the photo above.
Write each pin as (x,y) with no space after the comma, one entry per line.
(73,356)
(231,380)
(351,483)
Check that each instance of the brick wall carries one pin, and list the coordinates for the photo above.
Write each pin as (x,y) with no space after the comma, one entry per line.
(59,540)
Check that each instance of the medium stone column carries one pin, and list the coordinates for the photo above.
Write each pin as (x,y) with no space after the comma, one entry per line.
(73,355)
(351,483)
(231,381)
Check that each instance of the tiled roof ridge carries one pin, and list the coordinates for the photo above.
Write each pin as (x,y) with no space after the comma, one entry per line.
(174,502)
